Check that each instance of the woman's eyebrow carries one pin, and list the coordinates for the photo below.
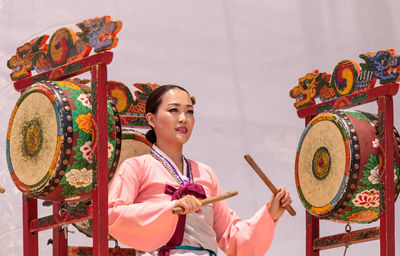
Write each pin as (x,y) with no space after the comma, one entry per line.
(177,104)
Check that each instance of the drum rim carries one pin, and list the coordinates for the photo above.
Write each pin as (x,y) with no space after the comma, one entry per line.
(135,135)
(51,183)
(328,209)
(334,214)
(34,190)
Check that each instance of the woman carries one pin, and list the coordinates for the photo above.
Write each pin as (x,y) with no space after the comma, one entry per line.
(145,189)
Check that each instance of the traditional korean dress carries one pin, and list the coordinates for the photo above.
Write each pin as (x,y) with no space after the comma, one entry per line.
(140,211)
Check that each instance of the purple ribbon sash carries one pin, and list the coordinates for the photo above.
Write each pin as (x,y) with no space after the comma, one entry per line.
(187,189)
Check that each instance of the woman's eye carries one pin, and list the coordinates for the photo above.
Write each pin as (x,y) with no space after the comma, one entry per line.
(173,110)
(190,112)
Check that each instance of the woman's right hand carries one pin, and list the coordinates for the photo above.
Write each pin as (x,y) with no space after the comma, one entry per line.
(190,204)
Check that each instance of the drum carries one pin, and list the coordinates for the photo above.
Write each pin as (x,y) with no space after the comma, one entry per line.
(133,144)
(337,167)
(49,141)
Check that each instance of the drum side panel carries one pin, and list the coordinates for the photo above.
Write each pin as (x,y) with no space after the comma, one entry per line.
(320,192)
(133,144)
(34,139)
(131,147)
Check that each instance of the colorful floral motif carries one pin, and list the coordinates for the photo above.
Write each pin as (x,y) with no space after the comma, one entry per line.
(371,173)
(86,150)
(79,178)
(84,122)
(367,199)
(371,176)
(84,99)
(368,193)
(363,216)
(79,175)
(375,143)
(374,176)
(110,150)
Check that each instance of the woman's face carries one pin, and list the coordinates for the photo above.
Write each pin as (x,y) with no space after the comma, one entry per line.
(174,120)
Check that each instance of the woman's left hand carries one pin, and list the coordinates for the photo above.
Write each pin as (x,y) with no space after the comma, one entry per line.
(278,203)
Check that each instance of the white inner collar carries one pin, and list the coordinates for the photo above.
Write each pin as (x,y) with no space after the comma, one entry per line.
(183,175)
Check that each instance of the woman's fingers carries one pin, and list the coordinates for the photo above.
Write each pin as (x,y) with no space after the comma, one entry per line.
(281,200)
(189,203)
(286,200)
(283,196)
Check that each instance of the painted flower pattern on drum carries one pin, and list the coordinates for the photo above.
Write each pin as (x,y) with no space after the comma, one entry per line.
(110,149)
(84,99)
(374,177)
(86,150)
(370,174)
(375,143)
(85,122)
(368,198)
(364,216)
(79,178)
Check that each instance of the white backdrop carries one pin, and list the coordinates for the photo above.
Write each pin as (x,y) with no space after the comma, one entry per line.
(239,58)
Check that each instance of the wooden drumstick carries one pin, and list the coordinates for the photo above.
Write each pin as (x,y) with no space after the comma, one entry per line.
(267,182)
(179,210)
(2,190)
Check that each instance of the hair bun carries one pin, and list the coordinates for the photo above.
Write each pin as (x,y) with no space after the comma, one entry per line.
(151,136)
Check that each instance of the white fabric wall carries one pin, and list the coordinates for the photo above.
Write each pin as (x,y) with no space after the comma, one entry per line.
(239,58)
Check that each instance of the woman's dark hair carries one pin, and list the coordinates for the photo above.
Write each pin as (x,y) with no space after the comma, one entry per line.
(154,101)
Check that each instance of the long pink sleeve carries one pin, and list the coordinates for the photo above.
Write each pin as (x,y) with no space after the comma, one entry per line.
(140,213)
(242,237)
(133,220)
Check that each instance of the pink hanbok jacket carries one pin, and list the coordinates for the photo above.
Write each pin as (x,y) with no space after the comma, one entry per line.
(140,214)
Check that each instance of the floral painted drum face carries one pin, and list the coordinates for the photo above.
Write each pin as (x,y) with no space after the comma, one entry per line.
(337,167)
(51,132)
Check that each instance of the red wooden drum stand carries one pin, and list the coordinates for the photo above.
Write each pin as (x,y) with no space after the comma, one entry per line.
(96,64)
(335,93)
(67,55)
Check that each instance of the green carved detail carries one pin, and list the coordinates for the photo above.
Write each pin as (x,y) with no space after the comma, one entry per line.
(324,107)
(42,77)
(73,67)
(359,97)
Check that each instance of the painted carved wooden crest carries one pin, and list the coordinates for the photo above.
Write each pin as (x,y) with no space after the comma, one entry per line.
(64,46)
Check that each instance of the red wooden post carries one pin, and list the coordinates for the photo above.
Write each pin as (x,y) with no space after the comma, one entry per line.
(387,216)
(29,208)
(60,242)
(312,233)
(312,223)
(100,193)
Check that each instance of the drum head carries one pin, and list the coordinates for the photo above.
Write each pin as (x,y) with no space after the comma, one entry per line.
(321,164)
(49,141)
(34,130)
(133,144)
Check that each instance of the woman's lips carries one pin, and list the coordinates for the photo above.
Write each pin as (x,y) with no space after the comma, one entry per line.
(182,130)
